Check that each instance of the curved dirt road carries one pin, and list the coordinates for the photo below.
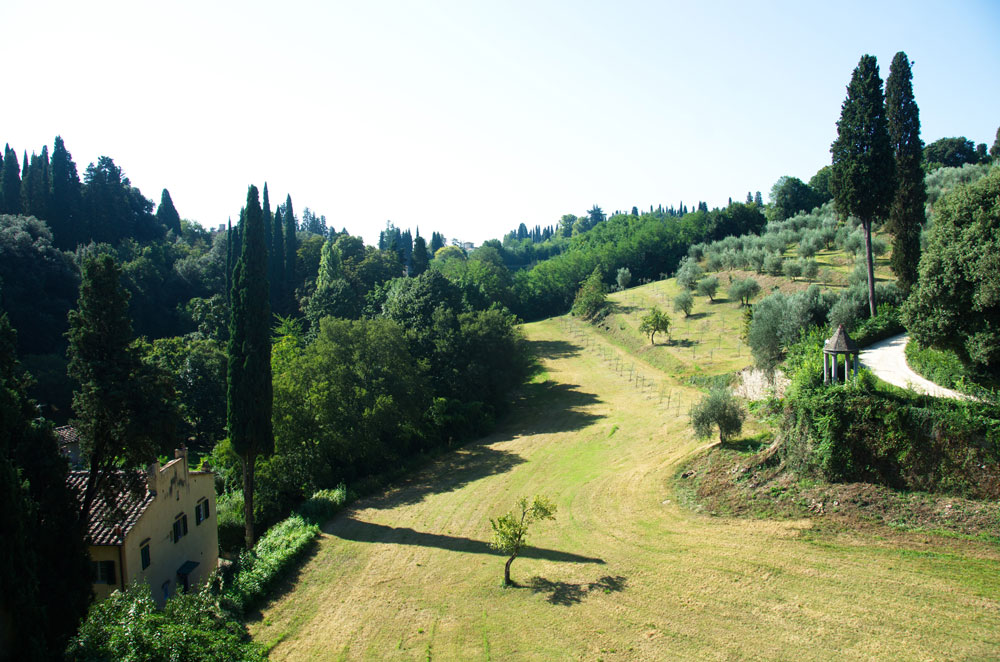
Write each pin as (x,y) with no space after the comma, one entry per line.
(887,359)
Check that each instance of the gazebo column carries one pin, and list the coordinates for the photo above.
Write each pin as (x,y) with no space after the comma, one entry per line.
(847,367)
(826,370)
(834,356)
(855,366)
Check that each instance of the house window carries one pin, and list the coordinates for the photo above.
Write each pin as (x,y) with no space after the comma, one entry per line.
(180,527)
(104,572)
(144,553)
(201,511)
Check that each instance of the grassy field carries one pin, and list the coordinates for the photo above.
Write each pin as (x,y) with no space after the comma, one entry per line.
(624,572)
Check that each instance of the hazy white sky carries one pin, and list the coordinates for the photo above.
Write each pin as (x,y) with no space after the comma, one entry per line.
(470,117)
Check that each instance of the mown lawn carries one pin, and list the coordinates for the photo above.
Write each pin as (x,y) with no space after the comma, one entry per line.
(624,572)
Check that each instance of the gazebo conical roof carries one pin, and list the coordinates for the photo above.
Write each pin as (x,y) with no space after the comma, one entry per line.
(840,343)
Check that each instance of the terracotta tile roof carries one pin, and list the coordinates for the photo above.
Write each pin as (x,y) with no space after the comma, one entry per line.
(67,435)
(840,342)
(102,530)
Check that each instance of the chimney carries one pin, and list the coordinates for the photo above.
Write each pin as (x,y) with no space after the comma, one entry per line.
(153,477)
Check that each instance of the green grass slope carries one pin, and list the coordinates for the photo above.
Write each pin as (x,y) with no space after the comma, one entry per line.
(624,572)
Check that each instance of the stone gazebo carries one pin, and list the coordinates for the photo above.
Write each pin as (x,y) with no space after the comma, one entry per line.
(839,344)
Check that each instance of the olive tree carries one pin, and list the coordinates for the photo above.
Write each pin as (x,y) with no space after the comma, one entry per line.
(510,530)
(719,409)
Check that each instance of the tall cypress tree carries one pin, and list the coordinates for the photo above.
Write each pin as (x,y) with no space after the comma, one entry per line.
(277,258)
(45,581)
(249,394)
(420,259)
(906,215)
(10,183)
(291,256)
(268,235)
(64,211)
(862,178)
(167,214)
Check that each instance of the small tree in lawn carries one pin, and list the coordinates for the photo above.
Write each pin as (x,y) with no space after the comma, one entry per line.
(708,286)
(655,322)
(684,302)
(510,530)
(719,409)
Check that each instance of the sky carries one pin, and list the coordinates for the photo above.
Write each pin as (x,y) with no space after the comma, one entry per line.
(468,118)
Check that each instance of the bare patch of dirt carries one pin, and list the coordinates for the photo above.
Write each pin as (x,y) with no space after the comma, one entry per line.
(745,482)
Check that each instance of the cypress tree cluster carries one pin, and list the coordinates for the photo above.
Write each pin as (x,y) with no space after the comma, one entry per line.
(862,180)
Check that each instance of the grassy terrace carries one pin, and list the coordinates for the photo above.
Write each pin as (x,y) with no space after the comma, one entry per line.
(624,572)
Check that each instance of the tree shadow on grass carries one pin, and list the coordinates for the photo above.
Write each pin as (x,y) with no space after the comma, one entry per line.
(541,408)
(567,594)
(681,342)
(349,528)
(553,349)
(622,308)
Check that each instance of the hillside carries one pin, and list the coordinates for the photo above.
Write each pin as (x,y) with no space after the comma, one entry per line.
(624,572)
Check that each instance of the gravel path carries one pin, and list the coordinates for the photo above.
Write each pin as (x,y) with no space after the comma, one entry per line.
(888,361)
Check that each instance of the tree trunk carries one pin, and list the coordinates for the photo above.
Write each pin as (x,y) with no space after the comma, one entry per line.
(871,266)
(506,572)
(248,483)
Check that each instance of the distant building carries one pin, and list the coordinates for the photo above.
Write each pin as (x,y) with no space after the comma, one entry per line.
(168,538)
(69,444)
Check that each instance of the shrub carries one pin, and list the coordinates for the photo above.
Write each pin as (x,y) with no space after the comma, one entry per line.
(275,553)
(229,514)
(191,627)
(323,505)
(859,431)
(718,410)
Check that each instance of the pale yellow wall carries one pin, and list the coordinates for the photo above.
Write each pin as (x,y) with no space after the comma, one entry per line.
(106,553)
(177,490)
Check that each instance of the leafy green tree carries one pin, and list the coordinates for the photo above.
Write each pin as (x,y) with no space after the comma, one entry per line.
(335,298)
(995,149)
(510,530)
(950,153)
(863,169)
(810,269)
(683,303)
(655,321)
(39,284)
(591,298)
(820,184)
(167,214)
(249,395)
(789,196)
(955,303)
(906,215)
(792,268)
(708,286)
(718,410)
(329,265)
(124,410)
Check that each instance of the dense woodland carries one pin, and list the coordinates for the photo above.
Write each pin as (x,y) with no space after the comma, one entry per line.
(378,356)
